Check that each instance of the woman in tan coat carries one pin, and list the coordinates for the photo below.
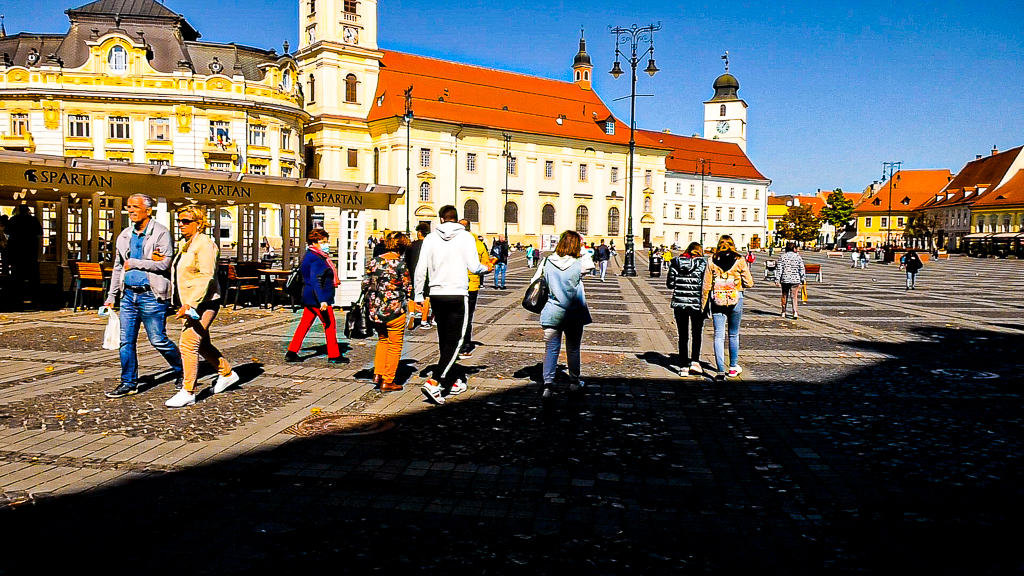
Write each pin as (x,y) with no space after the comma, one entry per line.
(730,276)
(195,290)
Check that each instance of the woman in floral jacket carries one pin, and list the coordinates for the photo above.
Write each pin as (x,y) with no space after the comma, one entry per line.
(387,286)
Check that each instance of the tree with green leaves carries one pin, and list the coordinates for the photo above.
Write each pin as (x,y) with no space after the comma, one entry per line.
(838,211)
(920,228)
(799,224)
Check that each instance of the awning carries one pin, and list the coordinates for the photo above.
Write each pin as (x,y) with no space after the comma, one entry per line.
(1006,235)
(978,236)
(49,178)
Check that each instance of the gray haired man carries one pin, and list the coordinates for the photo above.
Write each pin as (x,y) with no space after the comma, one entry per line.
(142,264)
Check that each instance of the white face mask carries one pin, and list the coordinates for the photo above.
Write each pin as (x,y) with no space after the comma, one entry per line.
(325,246)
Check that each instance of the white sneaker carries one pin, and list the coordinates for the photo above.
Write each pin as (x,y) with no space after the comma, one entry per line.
(425,326)
(458,388)
(432,392)
(735,371)
(182,398)
(225,382)
(684,372)
(695,369)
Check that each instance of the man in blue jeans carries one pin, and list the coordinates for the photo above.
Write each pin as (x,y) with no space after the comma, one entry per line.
(499,251)
(142,264)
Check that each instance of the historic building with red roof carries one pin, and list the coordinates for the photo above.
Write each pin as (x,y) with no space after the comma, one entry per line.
(883,214)
(533,156)
(978,201)
(711,188)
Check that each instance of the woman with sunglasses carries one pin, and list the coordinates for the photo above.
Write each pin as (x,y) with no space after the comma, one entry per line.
(196,292)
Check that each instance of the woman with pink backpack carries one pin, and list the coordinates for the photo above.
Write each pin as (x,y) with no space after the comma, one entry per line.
(730,275)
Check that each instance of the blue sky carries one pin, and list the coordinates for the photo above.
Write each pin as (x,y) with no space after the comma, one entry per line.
(833,88)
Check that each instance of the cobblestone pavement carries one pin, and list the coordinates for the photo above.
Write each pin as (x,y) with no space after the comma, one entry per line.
(878,433)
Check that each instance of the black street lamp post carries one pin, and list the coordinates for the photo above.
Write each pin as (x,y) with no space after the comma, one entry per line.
(631,37)
(893,168)
(508,159)
(408,158)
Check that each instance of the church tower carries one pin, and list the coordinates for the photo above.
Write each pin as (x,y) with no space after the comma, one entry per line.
(339,63)
(581,66)
(725,115)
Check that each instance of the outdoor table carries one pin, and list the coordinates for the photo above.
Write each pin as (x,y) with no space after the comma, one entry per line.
(271,277)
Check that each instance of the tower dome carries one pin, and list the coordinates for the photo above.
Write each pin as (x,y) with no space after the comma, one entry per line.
(581,66)
(581,57)
(726,87)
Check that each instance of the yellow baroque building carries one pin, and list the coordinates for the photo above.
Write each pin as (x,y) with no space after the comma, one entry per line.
(131,82)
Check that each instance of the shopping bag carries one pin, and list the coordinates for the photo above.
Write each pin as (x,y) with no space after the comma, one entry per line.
(357,323)
(112,334)
(803,292)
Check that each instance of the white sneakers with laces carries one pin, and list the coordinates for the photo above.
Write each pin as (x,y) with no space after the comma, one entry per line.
(432,390)
(182,398)
(458,388)
(225,382)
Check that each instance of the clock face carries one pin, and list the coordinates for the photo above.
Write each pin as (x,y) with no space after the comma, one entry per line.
(351,35)
(723,126)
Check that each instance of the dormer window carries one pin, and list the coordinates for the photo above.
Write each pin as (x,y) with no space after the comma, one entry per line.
(32,58)
(286,81)
(117,59)
(609,126)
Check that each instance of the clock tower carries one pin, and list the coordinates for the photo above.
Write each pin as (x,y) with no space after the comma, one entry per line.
(339,63)
(725,115)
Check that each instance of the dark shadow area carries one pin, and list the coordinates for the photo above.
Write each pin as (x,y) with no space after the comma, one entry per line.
(321,350)
(668,361)
(908,466)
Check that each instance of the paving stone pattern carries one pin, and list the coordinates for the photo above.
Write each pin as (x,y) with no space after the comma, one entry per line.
(877,433)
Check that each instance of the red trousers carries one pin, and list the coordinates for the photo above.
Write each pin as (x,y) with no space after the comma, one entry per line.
(327,319)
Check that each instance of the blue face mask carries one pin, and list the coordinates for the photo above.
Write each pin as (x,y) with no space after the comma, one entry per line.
(325,246)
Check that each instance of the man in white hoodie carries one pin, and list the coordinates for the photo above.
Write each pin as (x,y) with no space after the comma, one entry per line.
(447,257)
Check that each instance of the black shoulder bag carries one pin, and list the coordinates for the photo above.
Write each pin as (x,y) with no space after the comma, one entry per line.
(537,292)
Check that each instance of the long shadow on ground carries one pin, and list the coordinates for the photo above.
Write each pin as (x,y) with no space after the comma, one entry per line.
(911,465)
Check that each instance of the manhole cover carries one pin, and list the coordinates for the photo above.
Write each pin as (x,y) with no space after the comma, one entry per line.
(340,425)
(964,374)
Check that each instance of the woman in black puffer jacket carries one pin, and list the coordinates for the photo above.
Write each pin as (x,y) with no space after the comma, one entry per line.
(689,277)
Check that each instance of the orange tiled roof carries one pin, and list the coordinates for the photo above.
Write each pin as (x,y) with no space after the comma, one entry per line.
(914,189)
(983,172)
(476,96)
(777,200)
(1009,194)
(727,159)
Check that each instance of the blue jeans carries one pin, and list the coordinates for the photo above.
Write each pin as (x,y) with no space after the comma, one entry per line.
(136,310)
(721,317)
(499,272)
(911,279)
(552,346)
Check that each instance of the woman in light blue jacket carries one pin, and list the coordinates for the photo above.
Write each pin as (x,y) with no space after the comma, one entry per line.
(566,310)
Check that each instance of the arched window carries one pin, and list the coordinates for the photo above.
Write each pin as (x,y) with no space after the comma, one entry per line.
(471,211)
(613,221)
(286,81)
(721,110)
(376,165)
(424,191)
(350,88)
(117,59)
(647,203)
(582,216)
(547,215)
(511,213)
(312,88)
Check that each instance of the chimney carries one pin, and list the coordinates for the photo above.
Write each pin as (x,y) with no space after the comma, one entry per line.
(995,150)
(977,156)
(666,131)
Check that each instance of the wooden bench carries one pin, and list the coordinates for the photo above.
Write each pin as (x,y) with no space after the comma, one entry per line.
(835,254)
(813,269)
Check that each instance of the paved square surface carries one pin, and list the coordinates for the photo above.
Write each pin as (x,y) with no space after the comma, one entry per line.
(878,433)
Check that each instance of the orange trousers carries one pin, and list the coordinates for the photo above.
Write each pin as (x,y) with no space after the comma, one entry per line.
(389,349)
